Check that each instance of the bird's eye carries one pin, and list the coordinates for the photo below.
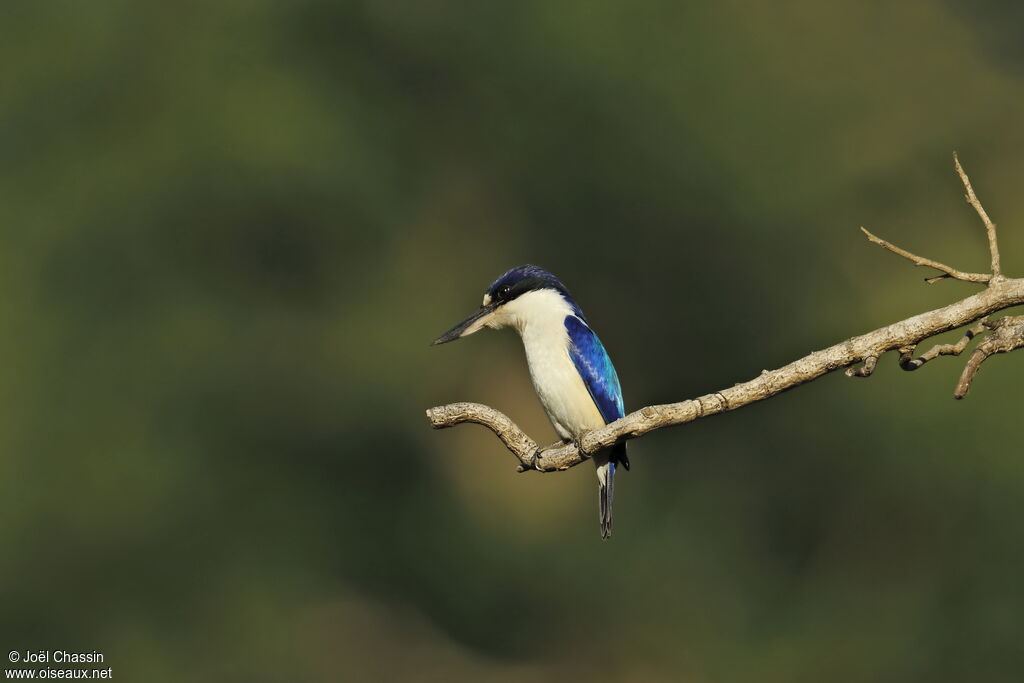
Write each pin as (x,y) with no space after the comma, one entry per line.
(504,291)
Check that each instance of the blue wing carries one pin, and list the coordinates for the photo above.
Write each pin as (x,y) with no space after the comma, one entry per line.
(596,369)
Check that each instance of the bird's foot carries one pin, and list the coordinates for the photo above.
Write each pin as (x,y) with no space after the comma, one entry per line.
(531,464)
(535,462)
(578,445)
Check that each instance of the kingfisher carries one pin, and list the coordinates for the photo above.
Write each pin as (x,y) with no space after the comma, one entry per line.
(571,372)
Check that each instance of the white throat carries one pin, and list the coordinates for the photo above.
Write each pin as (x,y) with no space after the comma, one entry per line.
(541,311)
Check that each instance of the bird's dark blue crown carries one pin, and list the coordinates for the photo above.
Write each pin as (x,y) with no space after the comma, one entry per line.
(522,279)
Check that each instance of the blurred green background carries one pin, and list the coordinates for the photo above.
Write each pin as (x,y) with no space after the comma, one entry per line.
(230,230)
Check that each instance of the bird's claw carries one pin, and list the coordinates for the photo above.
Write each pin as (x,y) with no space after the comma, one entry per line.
(535,461)
(579,448)
(530,464)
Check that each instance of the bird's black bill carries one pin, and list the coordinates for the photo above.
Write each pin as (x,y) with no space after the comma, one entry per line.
(461,329)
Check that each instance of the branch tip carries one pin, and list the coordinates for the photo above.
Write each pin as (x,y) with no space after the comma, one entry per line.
(946,271)
(990,227)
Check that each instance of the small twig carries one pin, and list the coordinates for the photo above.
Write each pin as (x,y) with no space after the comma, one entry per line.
(909,363)
(1007,335)
(929,263)
(990,227)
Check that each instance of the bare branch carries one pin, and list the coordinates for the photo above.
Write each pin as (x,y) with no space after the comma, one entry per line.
(1007,335)
(990,227)
(903,334)
(514,438)
(909,363)
(1003,335)
(921,261)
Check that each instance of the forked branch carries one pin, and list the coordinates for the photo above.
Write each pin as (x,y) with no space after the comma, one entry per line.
(1007,335)
(1000,336)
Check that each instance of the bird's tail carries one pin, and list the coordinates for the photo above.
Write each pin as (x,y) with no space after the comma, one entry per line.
(606,489)
(606,485)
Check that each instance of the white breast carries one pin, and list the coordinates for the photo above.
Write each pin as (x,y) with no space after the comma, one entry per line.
(539,317)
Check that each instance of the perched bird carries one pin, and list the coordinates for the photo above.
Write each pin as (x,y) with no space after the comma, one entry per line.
(571,372)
